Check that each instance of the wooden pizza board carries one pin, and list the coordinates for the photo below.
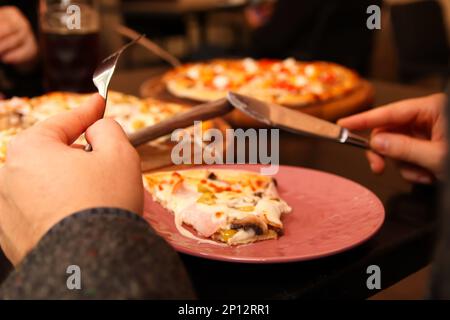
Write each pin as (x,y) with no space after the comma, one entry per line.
(157,157)
(358,100)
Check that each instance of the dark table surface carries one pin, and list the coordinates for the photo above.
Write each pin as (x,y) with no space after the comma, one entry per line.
(402,246)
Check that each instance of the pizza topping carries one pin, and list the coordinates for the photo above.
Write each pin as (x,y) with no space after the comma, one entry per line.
(250,65)
(242,201)
(207,198)
(251,222)
(212,176)
(316,88)
(246,208)
(291,65)
(202,188)
(219,214)
(227,234)
(193,73)
(272,210)
(276,67)
(310,70)
(242,236)
(221,82)
(300,81)
(138,124)
(258,194)
(218,69)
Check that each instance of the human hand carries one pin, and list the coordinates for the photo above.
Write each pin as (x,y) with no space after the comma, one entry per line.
(411,132)
(17,42)
(46,178)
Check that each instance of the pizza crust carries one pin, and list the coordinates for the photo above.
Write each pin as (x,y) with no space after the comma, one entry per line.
(195,94)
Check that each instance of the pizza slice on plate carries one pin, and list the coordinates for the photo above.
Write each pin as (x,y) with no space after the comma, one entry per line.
(222,206)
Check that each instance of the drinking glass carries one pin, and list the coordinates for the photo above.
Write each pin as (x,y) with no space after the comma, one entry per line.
(69,38)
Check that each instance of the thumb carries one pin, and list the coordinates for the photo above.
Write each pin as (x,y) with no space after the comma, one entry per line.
(66,127)
(106,134)
(424,153)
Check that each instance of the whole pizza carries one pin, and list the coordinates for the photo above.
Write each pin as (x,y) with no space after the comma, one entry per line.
(288,82)
(131,112)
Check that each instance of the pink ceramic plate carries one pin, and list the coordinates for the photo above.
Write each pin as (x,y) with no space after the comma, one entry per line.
(330,214)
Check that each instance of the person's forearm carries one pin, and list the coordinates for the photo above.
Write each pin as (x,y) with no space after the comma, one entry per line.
(118,256)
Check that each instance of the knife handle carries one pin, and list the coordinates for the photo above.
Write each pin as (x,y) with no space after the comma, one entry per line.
(356,140)
(204,111)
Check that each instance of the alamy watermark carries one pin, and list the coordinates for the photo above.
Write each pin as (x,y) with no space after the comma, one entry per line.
(73,17)
(374,20)
(238,146)
(374,280)
(73,281)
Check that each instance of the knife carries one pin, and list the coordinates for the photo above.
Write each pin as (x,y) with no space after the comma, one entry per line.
(294,121)
(185,119)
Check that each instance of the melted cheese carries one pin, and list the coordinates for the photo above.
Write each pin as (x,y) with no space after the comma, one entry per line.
(221,82)
(242,235)
(250,65)
(193,73)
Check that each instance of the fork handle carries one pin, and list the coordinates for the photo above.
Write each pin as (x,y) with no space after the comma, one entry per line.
(204,111)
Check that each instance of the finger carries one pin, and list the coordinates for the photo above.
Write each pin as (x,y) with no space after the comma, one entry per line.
(376,162)
(9,43)
(106,134)
(21,54)
(423,153)
(415,174)
(66,127)
(7,29)
(394,114)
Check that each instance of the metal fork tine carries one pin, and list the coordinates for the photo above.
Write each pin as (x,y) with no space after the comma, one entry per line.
(122,49)
(104,72)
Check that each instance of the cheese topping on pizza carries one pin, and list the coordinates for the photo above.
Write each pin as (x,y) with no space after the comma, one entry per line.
(228,206)
(288,82)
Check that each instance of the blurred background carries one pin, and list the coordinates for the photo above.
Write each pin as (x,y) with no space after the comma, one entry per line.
(412,45)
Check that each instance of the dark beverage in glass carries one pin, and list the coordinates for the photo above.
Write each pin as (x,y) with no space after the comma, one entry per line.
(70,53)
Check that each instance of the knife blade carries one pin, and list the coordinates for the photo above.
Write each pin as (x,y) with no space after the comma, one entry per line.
(294,121)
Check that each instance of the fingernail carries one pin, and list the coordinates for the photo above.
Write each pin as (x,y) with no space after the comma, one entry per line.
(379,143)
(372,166)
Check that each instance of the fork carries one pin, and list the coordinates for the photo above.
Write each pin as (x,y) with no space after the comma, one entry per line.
(104,72)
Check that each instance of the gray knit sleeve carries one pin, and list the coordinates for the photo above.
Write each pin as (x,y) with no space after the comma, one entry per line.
(101,253)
